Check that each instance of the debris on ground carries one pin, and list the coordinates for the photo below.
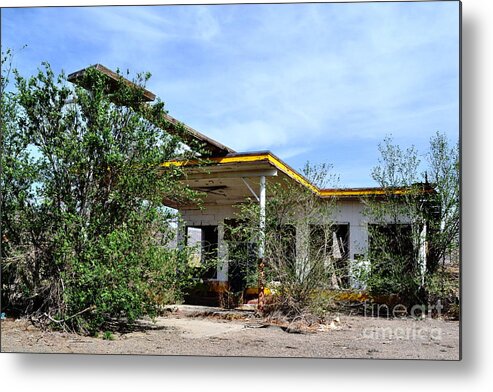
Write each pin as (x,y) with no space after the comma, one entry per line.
(176,334)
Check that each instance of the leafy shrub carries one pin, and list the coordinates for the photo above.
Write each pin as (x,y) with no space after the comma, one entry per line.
(85,235)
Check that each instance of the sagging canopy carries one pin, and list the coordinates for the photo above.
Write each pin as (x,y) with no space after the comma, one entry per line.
(186,133)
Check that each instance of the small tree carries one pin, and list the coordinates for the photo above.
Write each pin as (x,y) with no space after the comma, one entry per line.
(297,265)
(416,221)
(397,221)
(444,174)
(19,224)
(82,210)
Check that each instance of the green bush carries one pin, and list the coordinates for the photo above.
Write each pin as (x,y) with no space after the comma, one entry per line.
(85,236)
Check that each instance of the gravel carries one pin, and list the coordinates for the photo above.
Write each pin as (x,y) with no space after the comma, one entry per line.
(209,335)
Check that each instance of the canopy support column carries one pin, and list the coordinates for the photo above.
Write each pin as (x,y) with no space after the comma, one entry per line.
(261,248)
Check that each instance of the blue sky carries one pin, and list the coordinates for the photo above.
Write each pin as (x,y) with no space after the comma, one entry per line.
(318,82)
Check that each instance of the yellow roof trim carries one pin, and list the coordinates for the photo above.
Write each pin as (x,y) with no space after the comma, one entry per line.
(354,192)
(291,173)
(277,163)
(220,160)
(250,158)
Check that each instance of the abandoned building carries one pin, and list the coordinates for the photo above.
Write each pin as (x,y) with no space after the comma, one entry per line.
(233,177)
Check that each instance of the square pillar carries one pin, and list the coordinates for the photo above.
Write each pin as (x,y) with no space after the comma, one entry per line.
(222,254)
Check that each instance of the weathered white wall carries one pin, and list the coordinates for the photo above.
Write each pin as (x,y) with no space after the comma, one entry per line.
(346,212)
(352,211)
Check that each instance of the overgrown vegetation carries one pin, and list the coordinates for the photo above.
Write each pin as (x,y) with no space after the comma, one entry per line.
(84,233)
(299,248)
(85,236)
(414,238)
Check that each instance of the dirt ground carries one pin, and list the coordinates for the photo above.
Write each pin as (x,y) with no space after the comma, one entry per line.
(186,332)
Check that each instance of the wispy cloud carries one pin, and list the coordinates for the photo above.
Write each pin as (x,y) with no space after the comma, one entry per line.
(302,79)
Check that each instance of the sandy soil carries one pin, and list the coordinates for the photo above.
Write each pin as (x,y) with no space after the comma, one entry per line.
(184,333)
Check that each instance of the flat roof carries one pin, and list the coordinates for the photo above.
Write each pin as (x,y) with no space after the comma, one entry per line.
(241,159)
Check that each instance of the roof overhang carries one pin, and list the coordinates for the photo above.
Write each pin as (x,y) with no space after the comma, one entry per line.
(226,180)
(230,172)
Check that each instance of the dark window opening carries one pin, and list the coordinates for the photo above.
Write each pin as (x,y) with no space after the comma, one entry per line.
(391,252)
(391,241)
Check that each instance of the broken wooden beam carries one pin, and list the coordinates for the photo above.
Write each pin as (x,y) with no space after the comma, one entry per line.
(186,133)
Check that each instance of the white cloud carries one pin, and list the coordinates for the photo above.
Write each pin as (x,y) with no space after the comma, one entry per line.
(279,77)
(252,135)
